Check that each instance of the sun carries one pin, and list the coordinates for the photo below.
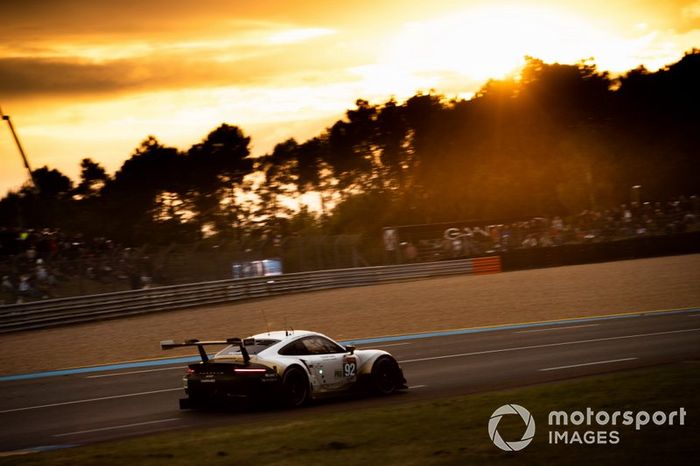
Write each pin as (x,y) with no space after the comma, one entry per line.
(492,42)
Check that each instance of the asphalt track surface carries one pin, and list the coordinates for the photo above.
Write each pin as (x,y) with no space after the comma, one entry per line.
(53,412)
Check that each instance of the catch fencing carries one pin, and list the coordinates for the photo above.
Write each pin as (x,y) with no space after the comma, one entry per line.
(66,311)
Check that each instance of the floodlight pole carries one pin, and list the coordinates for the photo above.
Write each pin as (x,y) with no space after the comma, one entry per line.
(19,146)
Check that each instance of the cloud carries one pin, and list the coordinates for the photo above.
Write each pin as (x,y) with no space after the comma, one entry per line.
(82,47)
(48,76)
(272,57)
(127,18)
(292,36)
(22,76)
(28,20)
(691,11)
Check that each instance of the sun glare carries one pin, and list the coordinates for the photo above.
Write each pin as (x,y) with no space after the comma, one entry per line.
(492,42)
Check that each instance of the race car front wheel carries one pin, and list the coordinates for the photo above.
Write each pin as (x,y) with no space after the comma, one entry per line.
(295,387)
(384,378)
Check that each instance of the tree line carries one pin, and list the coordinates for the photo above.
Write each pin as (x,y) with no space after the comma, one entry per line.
(553,140)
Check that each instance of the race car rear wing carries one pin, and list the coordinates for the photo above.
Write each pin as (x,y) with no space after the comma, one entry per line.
(170,344)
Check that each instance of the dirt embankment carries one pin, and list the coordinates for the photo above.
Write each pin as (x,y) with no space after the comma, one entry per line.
(425,305)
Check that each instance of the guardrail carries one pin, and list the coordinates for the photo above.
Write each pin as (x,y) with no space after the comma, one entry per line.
(65,311)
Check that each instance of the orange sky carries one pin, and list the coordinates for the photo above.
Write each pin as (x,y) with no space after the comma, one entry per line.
(85,79)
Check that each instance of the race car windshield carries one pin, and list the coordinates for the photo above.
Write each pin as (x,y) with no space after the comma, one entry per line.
(255,348)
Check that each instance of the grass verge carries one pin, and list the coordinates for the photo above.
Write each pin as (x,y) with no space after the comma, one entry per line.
(445,431)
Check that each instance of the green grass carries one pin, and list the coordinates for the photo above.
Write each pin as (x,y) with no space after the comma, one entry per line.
(445,431)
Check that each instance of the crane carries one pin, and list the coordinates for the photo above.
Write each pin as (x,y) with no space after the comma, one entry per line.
(19,147)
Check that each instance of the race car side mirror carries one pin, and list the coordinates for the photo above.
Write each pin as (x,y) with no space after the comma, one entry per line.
(350,349)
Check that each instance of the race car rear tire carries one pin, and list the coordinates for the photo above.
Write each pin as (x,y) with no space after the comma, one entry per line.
(295,387)
(385,376)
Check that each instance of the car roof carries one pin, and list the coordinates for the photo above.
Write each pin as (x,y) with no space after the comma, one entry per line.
(284,335)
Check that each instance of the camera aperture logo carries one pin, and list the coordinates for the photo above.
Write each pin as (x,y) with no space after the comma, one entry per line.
(584,427)
(527,418)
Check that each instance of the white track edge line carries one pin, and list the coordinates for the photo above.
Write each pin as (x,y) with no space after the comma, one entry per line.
(547,345)
(592,363)
(102,398)
(125,426)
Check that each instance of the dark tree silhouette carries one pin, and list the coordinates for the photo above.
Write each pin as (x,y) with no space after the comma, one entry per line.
(92,178)
(51,183)
(555,140)
(391,136)
(144,191)
(350,146)
(215,168)
(279,181)
(45,206)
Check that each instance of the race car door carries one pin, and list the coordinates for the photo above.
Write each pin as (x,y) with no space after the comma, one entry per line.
(331,367)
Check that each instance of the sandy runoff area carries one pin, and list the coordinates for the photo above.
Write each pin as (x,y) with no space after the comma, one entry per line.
(405,307)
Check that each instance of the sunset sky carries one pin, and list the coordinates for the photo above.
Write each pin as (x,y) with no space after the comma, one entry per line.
(83,78)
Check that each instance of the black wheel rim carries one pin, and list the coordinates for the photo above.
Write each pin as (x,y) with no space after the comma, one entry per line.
(297,389)
(385,377)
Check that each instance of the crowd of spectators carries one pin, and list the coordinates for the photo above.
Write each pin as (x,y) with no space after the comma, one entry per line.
(626,221)
(33,263)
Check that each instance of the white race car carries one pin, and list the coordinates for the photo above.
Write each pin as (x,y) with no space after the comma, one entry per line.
(287,366)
